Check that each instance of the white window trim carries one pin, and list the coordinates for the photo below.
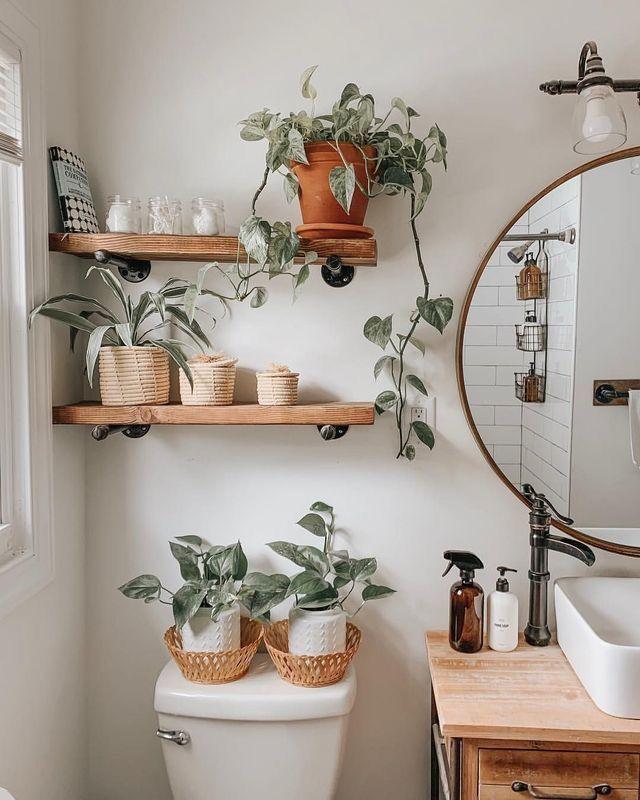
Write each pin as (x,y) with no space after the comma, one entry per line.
(25,575)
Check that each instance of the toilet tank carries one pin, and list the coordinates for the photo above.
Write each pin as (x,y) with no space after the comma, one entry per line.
(256,737)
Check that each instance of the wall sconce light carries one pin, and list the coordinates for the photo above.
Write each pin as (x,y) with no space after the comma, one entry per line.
(599,124)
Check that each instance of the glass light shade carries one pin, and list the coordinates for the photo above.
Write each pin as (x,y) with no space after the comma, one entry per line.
(635,166)
(599,124)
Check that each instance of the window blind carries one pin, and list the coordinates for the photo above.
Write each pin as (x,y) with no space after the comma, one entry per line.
(10,111)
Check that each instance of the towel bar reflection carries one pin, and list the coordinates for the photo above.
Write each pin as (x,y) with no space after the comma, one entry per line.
(613,391)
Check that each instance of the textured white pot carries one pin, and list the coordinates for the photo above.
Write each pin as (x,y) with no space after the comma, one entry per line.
(316,633)
(204,635)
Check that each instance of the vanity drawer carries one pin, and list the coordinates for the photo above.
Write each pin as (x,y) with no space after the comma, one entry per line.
(556,769)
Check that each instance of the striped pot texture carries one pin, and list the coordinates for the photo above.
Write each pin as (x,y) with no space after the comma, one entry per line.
(204,635)
(133,376)
(212,385)
(317,633)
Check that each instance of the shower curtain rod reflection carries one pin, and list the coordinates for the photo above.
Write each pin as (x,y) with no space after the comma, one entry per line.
(569,236)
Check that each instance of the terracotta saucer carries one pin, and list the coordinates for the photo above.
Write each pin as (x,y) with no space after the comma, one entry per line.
(333,230)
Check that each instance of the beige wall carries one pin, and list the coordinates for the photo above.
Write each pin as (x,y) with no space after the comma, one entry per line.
(42,657)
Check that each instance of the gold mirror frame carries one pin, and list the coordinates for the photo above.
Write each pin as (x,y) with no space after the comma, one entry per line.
(602,544)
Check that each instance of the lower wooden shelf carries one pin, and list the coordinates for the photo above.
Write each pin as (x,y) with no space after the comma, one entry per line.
(249,414)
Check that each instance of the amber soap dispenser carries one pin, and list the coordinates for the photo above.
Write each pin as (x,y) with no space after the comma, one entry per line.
(466,604)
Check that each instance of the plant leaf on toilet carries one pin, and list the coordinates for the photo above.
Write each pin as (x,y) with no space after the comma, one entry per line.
(329,576)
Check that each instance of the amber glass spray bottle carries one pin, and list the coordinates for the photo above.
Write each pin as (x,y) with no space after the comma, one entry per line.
(466,608)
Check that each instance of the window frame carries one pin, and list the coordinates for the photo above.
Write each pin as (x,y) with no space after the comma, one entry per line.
(29,417)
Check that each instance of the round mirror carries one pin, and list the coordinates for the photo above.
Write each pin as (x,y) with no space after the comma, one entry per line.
(548,351)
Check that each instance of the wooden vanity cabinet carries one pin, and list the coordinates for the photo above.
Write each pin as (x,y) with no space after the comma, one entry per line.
(520,725)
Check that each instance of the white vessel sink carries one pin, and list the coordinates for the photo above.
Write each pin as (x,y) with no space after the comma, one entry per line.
(598,623)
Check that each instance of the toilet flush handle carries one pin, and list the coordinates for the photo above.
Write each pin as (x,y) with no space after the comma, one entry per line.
(179,737)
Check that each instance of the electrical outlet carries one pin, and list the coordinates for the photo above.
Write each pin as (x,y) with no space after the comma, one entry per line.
(425,413)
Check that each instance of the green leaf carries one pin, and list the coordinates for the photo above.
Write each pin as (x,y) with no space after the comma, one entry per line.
(398,178)
(305,556)
(76,321)
(381,363)
(424,433)
(320,506)
(187,560)
(189,301)
(409,452)
(436,312)
(259,297)
(343,568)
(414,381)
(342,181)
(378,330)
(176,354)
(254,236)
(186,602)
(251,133)
(322,599)
(302,276)
(295,149)
(307,90)
(144,587)
(96,306)
(291,187)
(93,348)
(398,103)
(339,582)
(363,568)
(372,592)
(189,538)
(239,563)
(306,583)
(114,285)
(314,524)
(386,400)
(349,93)
(417,344)
(123,329)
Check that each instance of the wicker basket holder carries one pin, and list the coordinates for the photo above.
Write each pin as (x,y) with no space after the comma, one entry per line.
(278,386)
(309,670)
(216,667)
(133,376)
(214,382)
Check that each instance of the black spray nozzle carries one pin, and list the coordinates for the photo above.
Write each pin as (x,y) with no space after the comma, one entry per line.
(466,562)
(502,570)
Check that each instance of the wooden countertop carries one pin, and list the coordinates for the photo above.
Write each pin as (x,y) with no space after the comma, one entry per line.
(530,693)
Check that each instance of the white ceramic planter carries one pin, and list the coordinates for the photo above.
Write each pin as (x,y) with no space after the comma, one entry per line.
(204,635)
(317,633)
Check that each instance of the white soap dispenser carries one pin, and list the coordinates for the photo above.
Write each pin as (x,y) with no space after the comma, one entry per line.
(502,615)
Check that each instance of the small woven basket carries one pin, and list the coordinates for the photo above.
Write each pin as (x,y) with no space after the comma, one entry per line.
(135,376)
(309,670)
(216,667)
(214,380)
(277,386)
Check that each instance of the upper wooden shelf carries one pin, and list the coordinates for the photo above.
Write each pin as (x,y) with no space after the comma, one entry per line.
(249,414)
(154,247)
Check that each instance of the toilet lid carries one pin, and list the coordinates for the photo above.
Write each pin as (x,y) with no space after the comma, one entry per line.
(260,695)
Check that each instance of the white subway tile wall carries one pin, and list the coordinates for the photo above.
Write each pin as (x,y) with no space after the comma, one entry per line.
(529,442)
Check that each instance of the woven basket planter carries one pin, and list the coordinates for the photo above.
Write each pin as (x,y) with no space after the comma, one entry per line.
(133,376)
(214,382)
(277,386)
(309,670)
(216,667)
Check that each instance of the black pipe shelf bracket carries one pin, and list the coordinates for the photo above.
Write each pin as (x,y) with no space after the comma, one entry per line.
(336,273)
(102,432)
(330,432)
(133,270)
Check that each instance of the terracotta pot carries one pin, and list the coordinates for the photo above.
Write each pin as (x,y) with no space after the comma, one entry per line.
(323,217)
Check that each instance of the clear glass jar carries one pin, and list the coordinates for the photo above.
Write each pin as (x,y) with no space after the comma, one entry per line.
(164,215)
(207,217)
(123,214)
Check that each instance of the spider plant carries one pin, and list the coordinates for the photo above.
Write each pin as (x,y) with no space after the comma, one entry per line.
(132,324)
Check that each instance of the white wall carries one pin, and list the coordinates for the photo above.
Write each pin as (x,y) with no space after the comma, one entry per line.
(42,658)
(163,87)
(608,332)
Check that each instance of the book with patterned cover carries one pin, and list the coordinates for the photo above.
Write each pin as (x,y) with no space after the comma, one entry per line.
(74,192)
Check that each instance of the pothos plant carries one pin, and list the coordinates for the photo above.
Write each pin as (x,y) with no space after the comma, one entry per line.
(328,576)
(212,579)
(401,166)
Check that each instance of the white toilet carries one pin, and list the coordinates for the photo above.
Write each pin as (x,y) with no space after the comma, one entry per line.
(256,737)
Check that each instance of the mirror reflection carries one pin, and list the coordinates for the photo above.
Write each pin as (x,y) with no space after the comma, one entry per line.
(551,348)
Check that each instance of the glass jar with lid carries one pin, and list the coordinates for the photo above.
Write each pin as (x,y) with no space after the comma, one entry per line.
(123,214)
(164,215)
